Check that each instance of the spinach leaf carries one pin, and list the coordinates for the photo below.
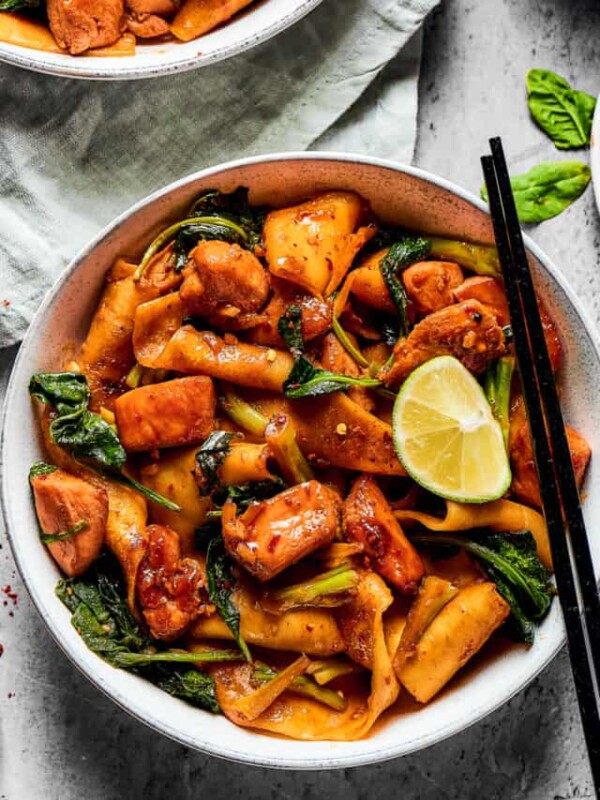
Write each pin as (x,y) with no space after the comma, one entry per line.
(190,234)
(101,617)
(84,434)
(209,458)
(19,5)
(220,590)
(306,380)
(547,189)
(64,391)
(400,256)
(564,113)
(41,468)
(254,491)
(512,562)
(233,206)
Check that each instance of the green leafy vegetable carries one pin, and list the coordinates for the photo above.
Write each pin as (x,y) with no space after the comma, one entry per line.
(497,383)
(190,233)
(220,590)
(83,434)
(400,256)
(332,588)
(246,493)
(547,189)
(101,617)
(564,113)
(511,560)
(19,5)
(306,380)
(233,206)
(209,458)
(304,686)
(347,344)
(41,468)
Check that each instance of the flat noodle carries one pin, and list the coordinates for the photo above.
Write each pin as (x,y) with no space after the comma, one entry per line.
(154,325)
(302,718)
(501,515)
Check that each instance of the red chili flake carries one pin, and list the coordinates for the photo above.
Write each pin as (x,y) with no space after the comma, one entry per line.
(11,613)
(6,303)
(10,694)
(1,649)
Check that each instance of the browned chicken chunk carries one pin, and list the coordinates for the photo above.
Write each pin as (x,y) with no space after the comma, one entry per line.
(525,484)
(468,330)
(78,25)
(146,26)
(368,519)
(430,285)
(490,292)
(64,502)
(169,414)
(171,590)
(316,314)
(273,534)
(222,279)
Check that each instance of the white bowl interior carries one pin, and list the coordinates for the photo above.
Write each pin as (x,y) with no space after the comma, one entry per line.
(256,24)
(404,196)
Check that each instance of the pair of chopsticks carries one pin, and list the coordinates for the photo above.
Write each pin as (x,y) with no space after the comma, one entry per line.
(573,567)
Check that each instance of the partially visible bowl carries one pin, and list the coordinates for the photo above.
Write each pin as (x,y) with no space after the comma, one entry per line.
(595,154)
(259,22)
(399,194)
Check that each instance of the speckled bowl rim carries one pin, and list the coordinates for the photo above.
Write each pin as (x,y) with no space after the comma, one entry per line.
(114,71)
(466,716)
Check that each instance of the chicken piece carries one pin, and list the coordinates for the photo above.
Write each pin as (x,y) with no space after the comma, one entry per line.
(168,414)
(468,330)
(273,534)
(171,590)
(222,279)
(316,314)
(313,244)
(430,284)
(78,25)
(146,26)
(490,292)
(62,502)
(336,359)
(525,484)
(368,519)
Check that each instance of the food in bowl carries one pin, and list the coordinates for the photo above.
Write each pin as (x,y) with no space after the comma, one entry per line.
(109,27)
(289,474)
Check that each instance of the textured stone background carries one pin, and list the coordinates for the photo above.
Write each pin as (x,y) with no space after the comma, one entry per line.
(60,738)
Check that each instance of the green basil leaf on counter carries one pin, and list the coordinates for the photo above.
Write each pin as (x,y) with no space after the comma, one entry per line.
(547,189)
(564,113)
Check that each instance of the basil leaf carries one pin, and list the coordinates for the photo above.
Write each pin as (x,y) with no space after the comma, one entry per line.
(565,114)
(64,391)
(41,468)
(400,256)
(19,5)
(547,189)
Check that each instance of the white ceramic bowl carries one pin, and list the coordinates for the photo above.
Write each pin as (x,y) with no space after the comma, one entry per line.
(257,23)
(397,194)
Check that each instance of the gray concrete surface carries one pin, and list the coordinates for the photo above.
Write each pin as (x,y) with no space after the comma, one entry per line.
(61,739)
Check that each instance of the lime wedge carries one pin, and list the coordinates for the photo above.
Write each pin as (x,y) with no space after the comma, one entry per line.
(446,436)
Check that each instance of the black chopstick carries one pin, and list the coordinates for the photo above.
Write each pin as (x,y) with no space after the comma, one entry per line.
(573,567)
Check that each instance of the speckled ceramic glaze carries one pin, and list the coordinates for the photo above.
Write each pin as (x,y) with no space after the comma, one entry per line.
(402,195)
(595,154)
(257,23)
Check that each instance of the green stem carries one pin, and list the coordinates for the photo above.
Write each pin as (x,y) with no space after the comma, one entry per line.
(48,538)
(340,580)
(148,493)
(305,687)
(207,656)
(241,412)
(170,232)
(344,340)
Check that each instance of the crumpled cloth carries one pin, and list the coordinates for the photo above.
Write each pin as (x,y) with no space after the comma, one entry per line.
(74,154)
